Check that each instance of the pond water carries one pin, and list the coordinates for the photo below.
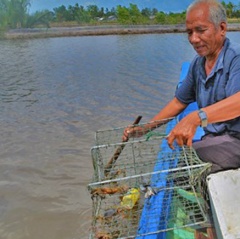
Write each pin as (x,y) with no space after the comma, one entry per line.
(55,93)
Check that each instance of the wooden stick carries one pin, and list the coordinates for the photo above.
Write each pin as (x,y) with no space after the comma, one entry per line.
(118,151)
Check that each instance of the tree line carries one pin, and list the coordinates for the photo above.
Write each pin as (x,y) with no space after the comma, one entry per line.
(15,14)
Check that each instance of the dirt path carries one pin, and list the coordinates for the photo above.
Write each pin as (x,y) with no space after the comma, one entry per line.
(99,30)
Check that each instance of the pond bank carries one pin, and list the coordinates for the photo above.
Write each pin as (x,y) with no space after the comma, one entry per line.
(99,30)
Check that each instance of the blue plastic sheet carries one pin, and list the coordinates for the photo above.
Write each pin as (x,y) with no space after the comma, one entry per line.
(161,203)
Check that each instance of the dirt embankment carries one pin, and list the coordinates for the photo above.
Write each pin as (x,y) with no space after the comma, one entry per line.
(99,30)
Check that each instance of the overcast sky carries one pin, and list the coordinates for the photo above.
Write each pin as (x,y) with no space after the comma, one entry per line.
(162,5)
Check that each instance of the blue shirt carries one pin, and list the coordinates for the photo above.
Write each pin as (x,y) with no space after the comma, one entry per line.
(222,82)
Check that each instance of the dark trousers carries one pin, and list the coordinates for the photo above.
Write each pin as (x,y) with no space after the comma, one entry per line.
(223,151)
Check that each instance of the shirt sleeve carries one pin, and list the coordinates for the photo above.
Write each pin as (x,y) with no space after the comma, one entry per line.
(233,84)
(186,92)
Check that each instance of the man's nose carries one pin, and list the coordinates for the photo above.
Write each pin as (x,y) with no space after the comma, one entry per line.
(194,37)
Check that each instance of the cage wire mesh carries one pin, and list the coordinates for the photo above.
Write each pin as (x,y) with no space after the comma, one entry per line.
(148,188)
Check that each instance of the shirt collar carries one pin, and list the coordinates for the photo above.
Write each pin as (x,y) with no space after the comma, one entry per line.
(219,64)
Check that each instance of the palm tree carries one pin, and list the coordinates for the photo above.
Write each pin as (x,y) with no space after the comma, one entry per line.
(14,12)
(18,12)
(3,13)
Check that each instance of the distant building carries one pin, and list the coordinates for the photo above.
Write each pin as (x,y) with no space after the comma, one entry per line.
(99,19)
(112,18)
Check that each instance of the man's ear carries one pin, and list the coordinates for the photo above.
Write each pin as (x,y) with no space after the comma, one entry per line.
(223,26)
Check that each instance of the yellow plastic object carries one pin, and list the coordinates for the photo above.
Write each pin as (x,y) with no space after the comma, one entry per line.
(130,199)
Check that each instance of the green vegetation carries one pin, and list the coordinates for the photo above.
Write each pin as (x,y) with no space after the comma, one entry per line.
(15,14)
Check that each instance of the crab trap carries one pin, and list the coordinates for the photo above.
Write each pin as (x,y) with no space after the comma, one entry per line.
(144,189)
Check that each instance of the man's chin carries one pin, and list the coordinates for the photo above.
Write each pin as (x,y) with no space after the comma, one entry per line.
(201,53)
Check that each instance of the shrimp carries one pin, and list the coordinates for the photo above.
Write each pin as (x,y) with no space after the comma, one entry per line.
(109,190)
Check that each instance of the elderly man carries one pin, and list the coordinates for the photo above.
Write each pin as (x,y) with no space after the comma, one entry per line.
(213,81)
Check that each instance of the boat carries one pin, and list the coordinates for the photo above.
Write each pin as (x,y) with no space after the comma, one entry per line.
(166,196)
(176,208)
(223,195)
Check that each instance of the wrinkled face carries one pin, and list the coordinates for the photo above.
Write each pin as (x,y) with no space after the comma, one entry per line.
(205,37)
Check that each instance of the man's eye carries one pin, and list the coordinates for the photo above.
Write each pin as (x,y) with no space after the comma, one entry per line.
(201,30)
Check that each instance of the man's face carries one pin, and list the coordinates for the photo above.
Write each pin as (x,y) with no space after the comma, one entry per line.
(205,37)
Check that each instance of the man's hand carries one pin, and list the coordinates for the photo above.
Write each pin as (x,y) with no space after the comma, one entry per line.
(133,132)
(184,131)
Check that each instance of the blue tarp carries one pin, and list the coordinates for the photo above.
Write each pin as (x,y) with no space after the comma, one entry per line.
(157,208)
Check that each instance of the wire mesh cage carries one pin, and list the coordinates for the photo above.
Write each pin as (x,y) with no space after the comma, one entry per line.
(147,188)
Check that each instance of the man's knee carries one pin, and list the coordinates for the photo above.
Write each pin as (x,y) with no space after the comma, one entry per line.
(222,151)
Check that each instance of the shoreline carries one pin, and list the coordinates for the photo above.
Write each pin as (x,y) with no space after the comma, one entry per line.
(99,31)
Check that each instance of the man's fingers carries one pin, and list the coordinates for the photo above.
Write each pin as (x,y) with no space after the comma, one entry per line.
(125,136)
(189,142)
(170,139)
(180,141)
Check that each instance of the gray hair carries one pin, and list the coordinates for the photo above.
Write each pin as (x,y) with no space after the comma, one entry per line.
(217,13)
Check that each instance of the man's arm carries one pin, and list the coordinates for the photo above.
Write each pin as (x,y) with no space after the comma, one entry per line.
(173,108)
(223,110)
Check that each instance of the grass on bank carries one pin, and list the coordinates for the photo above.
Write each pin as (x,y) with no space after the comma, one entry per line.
(112,23)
